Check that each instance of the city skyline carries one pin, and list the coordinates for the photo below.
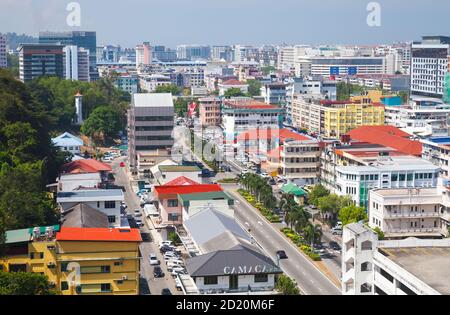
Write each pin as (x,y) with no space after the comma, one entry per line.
(342,23)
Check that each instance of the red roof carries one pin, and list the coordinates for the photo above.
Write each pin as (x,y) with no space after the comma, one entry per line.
(181,181)
(85,166)
(388,136)
(282,134)
(233,82)
(162,191)
(98,234)
(275,153)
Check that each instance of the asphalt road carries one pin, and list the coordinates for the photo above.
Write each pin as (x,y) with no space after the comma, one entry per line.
(149,284)
(310,280)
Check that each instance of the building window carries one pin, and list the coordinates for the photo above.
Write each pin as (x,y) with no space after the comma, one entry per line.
(110,204)
(210,280)
(31,255)
(64,286)
(366,266)
(64,266)
(173,216)
(386,275)
(261,278)
(95,269)
(172,203)
(112,219)
(118,263)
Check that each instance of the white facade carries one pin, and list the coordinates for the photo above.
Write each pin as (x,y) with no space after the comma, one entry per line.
(402,213)
(325,66)
(3,53)
(223,88)
(76,63)
(107,201)
(391,172)
(70,182)
(244,281)
(149,83)
(68,142)
(429,65)
(405,267)
(437,151)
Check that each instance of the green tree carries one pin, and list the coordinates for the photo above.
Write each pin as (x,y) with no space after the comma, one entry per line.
(233,92)
(351,214)
(379,232)
(267,70)
(254,87)
(345,90)
(169,88)
(404,96)
(103,124)
(313,233)
(13,64)
(316,192)
(286,286)
(23,283)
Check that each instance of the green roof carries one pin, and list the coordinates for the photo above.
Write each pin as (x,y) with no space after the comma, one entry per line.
(179,168)
(215,195)
(293,189)
(24,235)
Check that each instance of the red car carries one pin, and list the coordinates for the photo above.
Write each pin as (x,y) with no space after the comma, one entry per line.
(122,164)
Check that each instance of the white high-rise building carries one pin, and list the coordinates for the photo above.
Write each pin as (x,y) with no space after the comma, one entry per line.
(76,63)
(3,59)
(429,65)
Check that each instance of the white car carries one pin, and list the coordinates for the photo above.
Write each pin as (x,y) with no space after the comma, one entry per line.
(153,260)
(137,213)
(171,255)
(178,270)
(139,222)
(264,175)
(245,171)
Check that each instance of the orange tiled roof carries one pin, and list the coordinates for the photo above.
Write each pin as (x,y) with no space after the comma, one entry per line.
(388,136)
(98,234)
(85,166)
(233,82)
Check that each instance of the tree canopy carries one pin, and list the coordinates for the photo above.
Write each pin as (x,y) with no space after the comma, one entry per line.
(233,92)
(352,214)
(316,192)
(103,124)
(345,90)
(23,283)
(286,286)
(254,87)
(169,88)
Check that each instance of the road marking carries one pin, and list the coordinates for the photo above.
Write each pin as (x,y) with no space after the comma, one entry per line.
(247,224)
(260,223)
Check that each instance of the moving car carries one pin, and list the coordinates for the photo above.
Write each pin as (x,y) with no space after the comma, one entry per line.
(153,260)
(157,272)
(282,254)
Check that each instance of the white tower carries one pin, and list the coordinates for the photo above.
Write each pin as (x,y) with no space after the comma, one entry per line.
(79,108)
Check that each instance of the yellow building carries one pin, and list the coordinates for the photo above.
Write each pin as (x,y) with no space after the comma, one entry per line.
(369,97)
(341,118)
(76,260)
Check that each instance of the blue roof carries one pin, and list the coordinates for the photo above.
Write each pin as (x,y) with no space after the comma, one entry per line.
(67,139)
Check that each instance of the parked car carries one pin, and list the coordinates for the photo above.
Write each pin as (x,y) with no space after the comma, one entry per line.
(165,243)
(282,254)
(153,259)
(178,284)
(245,171)
(166,248)
(272,182)
(178,270)
(166,291)
(336,231)
(158,272)
(335,246)
(137,213)
(264,175)
(338,225)
(122,164)
(139,222)
(129,216)
(170,255)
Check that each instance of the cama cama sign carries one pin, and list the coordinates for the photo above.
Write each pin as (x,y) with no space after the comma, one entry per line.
(228,270)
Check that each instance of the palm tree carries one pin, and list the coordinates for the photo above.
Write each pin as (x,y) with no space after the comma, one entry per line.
(312,234)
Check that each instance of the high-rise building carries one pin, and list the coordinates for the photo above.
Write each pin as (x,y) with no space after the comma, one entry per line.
(163,54)
(86,40)
(222,52)
(150,121)
(429,65)
(76,63)
(36,60)
(3,58)
(144,55)
(193,52)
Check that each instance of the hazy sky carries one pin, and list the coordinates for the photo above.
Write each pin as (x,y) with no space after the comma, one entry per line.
(172,22)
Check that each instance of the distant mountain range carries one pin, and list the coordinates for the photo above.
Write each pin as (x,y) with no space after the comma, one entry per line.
(13,40)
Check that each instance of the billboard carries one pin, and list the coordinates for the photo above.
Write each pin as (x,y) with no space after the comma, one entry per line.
(334,70)
(352,71)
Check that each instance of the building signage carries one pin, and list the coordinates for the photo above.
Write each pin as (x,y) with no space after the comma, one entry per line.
(334,70)
(228,270)
(352,70)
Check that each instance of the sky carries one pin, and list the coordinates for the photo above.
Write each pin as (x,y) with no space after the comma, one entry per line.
(227,22)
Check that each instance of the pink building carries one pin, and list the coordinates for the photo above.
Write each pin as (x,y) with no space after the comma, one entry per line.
(209,109)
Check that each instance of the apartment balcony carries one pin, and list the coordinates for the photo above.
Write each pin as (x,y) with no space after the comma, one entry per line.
(430,230)
(391,215)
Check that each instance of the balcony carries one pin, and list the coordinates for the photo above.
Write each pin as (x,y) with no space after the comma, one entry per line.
(415,230)
(392,215)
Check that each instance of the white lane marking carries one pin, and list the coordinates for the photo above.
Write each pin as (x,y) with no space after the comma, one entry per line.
(246,223)
(260,223)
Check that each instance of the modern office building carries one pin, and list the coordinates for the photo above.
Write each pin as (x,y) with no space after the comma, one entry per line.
(81,39)
(3,53)
(274,93)
(325,66)
(222,53)
(386,172)
(36,60)
(429,65)
(127,83)
(76,64)
(163,54)
(150,123)
(393,267)
(193,52)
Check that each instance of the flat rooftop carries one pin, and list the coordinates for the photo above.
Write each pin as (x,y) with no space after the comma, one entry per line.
(405,191)
(152,100)
(429,264)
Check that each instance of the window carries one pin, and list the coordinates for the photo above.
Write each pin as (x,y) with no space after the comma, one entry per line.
(64,266)
(98,204)
(118,263)
(41,255)
(95,269)
(172,203)
(261,278)
(210,280)
(31,255)
(366,266)
(112,219)
(366,245)
(110,204)
(64,286)
(386,275)
(365,288)
(173,216)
